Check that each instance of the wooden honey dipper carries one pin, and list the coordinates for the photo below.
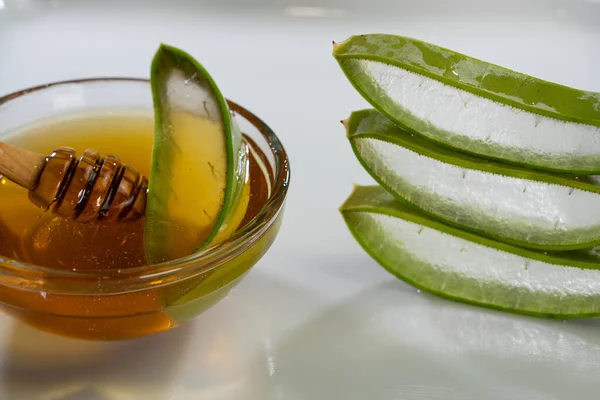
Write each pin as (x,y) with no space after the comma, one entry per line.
(83,189)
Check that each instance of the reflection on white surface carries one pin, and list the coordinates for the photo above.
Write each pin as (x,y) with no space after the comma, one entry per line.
(270,356)
(35,365)
(389,343)
(71,98)
(2,5)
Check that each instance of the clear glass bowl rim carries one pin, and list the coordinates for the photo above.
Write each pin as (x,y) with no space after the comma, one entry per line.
(19,274)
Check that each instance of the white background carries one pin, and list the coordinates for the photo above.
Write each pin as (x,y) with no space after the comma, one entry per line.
(316,318)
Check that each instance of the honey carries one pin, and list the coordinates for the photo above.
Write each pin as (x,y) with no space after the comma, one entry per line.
(34,236)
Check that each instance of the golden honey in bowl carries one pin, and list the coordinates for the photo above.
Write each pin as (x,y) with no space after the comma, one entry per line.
(33,236)
(73,264)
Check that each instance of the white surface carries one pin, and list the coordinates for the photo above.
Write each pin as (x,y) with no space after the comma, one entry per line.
(317,318)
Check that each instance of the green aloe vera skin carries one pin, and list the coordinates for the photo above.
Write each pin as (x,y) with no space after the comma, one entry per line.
(475,106)
(524,207)
(194,129)
(461,266)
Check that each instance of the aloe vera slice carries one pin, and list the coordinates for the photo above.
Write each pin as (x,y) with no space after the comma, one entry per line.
(525,207)
(468,268)
(199,161)
(475,106)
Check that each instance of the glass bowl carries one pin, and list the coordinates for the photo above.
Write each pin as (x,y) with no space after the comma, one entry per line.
(115,304)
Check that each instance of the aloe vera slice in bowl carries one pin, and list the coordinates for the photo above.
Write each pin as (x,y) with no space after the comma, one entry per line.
(468,268)
(473,105)
(199,161)
(525,207)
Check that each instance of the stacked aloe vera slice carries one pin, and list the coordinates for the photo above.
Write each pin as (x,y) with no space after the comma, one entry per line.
(486,193)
